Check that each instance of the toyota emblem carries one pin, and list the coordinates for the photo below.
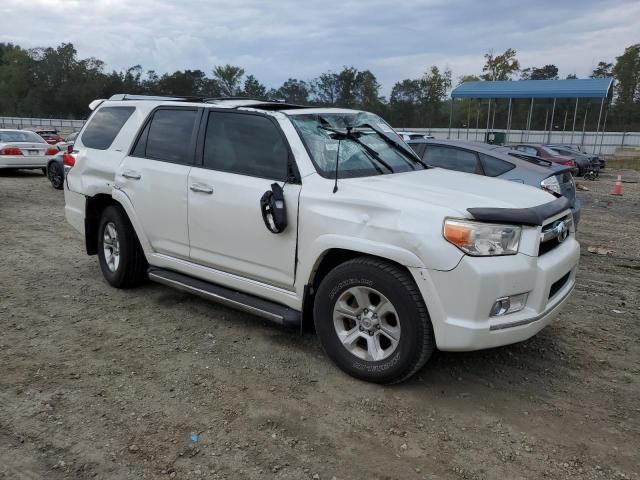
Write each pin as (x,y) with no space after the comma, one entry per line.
(562,231)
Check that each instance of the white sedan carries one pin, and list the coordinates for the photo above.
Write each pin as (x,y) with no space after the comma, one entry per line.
(24,149)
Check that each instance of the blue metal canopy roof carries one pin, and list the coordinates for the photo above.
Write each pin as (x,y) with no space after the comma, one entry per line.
(579,88)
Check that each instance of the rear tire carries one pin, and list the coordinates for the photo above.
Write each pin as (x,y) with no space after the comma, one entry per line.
(55,174)
(388,348)
(122,260)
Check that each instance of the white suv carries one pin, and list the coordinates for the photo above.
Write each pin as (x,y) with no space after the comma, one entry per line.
(318,216)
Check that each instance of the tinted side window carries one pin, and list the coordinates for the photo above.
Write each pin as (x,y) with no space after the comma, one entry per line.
(494,166)
(170,135)
(452,159)
(245,144)
(105,126)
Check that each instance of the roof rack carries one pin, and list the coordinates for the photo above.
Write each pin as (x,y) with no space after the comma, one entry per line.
(250,102)
(128,96)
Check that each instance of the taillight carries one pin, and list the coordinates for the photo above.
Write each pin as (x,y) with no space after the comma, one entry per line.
(568,162)
(68,160)
(10,151)
(52,151)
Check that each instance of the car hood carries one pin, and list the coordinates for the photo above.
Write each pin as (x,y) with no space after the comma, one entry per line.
(452,190)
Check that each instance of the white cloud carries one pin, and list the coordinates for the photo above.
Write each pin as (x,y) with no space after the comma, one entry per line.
(298,38)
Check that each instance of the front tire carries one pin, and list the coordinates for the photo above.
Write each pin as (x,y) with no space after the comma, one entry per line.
(122,260)
(372,321)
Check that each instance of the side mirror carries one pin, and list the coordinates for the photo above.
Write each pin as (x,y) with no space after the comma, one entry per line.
(274,210)
(70,148)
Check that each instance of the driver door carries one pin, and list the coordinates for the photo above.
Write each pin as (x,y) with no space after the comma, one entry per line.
(242,155)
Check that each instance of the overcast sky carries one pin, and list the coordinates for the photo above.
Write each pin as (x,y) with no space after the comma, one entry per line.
(279,39)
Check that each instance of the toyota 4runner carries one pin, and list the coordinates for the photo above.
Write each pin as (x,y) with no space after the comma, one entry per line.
(318,216)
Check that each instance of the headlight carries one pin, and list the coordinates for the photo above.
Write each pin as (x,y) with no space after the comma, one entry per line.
(551,185)
(482,239)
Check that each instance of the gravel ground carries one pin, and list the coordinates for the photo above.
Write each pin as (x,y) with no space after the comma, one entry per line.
(153,383)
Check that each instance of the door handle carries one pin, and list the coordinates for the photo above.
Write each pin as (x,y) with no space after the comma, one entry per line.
(201,188)
(131,174)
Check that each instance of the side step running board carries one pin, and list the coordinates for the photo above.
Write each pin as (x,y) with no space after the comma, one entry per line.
(279,314)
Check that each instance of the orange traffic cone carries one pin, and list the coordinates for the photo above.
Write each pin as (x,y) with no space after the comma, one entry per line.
(617,187)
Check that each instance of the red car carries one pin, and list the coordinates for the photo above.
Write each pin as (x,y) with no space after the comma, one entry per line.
(50,135)
(544,153)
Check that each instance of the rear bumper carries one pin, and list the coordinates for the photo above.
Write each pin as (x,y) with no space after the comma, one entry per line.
(23,161)
(74,209)
(459,301)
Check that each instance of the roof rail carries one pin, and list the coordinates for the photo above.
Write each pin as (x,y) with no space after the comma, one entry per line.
(128,96)
(250,102)
(240,97)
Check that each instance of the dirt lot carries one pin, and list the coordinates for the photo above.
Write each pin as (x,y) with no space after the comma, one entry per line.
(101,383)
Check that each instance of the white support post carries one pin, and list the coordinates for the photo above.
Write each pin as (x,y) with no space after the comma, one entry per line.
(553,112)
(506,138)
(575,114)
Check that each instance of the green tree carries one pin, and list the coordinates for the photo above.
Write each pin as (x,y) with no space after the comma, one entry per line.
(548,72)
(368,91)
(468,78)
(603,70)
(500,67)
(327,88)
(627,87)
(293,91)
(254,89)
(229,79)
(183,83)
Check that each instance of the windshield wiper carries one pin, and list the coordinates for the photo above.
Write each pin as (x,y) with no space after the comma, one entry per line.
(396,145)
(370,151)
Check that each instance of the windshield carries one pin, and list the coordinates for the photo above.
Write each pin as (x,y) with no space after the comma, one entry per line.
(24,136)
(362,143)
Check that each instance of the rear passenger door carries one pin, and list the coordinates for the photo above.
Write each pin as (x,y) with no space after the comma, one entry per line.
(242,154)
(154,176)
(452,158)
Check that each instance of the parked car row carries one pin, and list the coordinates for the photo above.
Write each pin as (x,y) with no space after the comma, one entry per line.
(561,154)
(494,161)
(325,217)
(39,149)
(24,149)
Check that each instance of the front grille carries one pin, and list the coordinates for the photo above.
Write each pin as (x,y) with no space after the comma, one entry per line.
(557,285)
(548,246)
(549,237)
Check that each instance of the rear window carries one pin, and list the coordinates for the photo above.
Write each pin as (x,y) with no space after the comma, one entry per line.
(451,158)
(494,166)
(7,137)
(170,135)
(104,126)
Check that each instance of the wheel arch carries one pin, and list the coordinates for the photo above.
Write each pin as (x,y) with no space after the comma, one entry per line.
(95,205)
(332,257)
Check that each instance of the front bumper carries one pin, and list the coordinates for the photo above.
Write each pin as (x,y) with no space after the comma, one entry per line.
(459,301)
(24,161)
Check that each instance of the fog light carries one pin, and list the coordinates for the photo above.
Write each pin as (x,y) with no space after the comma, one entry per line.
(506,305)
